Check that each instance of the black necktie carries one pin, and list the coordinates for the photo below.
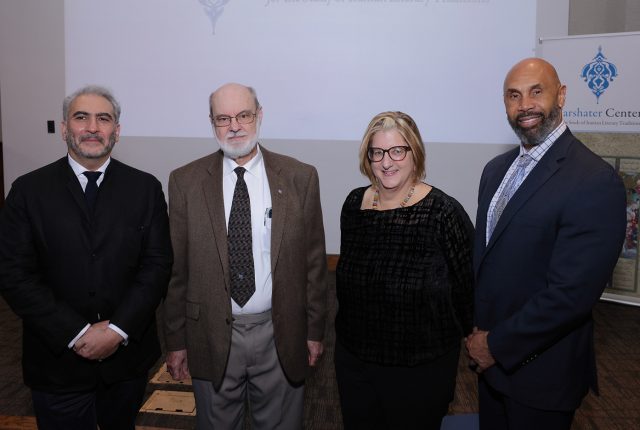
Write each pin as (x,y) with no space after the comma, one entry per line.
(243,283)
(91,190)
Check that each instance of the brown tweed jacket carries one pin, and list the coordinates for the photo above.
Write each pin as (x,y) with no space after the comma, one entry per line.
(198,305)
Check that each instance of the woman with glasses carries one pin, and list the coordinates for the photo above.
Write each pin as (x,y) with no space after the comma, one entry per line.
(404,286)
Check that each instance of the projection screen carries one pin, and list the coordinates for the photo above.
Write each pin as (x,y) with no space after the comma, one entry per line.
(322,68)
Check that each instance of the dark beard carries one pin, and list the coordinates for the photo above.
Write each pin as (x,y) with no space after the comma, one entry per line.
(537,135)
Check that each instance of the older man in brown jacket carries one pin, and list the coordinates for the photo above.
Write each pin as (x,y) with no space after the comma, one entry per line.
(246,307)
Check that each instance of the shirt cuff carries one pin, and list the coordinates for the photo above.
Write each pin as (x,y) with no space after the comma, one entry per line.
(75,339)
(125,336)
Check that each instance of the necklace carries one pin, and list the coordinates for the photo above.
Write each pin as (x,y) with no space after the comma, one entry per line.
(403,203)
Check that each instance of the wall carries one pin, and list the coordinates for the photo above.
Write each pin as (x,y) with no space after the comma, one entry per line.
(604,16)
(32,85)
(0,117)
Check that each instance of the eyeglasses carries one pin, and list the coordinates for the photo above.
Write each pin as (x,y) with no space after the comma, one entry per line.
(244,117)
(396,153)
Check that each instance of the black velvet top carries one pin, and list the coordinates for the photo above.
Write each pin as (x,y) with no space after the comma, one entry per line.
(404,279)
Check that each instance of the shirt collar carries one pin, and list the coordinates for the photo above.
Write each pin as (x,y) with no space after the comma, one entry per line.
(78,168)
(228,164)
(539,150)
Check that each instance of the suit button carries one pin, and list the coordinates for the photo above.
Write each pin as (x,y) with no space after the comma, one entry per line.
(228,321)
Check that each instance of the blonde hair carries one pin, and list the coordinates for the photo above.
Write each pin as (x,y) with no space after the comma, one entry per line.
(406,126)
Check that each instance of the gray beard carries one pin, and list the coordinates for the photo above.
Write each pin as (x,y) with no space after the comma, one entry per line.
(537,135)
(76,149)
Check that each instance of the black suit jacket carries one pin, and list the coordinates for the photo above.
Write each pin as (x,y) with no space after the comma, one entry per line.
(546,265)
(62,268)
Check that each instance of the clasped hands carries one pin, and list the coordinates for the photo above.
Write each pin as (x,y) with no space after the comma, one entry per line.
(98,342)
(478,350)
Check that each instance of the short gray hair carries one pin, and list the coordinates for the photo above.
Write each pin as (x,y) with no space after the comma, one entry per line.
(91,90)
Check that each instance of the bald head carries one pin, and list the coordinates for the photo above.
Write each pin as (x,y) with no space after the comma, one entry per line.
(232,91)
(533,66)
(533,98)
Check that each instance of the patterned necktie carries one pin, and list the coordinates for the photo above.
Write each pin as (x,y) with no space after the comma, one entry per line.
(509,189)
(243,283)
(91,190)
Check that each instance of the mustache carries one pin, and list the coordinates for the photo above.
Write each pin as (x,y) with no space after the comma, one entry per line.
(239,133)
(529,114)
(87,136)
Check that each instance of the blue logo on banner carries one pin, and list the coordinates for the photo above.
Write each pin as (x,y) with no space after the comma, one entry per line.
(213,9)
(598,74)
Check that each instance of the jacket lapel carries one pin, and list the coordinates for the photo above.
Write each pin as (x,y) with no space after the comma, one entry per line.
(74,187)
(545,169)
(213,196)
(110,192)
(278,204)
(493,182)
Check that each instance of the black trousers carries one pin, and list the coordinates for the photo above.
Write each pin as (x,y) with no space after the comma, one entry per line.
(499,412)
(113,407)
(390,397)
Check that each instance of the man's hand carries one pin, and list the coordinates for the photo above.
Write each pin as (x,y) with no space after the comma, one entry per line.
(98,342)
(177,364)
(315,351)
(478,350)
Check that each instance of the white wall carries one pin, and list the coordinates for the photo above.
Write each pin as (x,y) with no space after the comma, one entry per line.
(32,82)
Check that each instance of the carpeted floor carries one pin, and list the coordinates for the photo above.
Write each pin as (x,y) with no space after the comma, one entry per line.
(617,407)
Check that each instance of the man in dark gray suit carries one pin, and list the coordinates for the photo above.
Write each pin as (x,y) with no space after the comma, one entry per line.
(85,257)
(549,230)
(246,306)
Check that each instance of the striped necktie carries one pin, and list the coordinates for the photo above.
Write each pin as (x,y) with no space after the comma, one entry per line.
(509,189)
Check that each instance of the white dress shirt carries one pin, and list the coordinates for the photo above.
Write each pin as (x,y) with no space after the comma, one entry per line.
(260,199)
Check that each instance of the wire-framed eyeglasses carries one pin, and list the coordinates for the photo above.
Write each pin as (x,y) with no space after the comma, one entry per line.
(396,153)
(244,117)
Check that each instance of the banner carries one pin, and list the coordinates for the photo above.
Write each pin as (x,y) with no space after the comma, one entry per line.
(603,96)
(601,73)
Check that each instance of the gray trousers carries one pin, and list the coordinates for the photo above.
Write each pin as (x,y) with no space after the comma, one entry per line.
(254,374)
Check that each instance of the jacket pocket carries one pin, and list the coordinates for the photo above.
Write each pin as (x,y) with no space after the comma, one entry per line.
(193,311)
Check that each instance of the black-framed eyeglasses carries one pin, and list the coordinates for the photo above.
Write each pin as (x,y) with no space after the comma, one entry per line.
(244,117)
(396,153)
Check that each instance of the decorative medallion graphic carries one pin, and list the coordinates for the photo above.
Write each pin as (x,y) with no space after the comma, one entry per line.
(213,9)
(598,74)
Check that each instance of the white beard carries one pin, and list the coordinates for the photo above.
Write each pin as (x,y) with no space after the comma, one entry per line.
(238,149)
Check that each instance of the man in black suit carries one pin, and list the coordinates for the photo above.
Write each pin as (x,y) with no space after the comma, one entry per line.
(549,230)
(85,258)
